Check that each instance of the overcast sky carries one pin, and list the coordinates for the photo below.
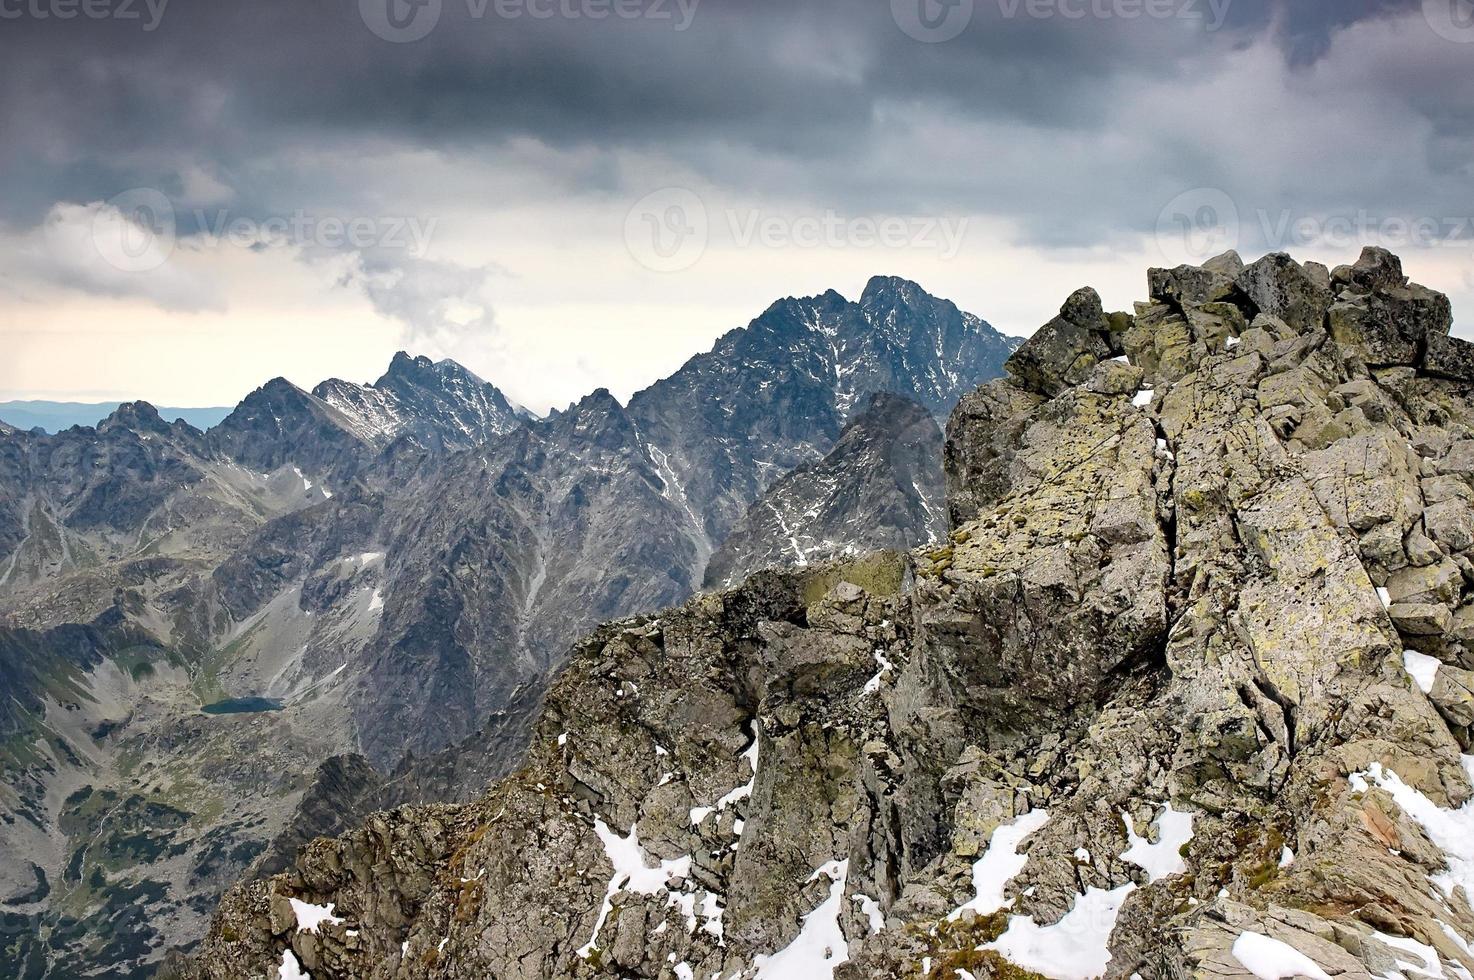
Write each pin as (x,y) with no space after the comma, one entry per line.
(567,194)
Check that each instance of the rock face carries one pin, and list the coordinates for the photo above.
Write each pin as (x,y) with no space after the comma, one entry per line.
(881,486)
(1185,693)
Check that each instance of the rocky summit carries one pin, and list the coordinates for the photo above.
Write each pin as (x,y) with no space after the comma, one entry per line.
(1186,691)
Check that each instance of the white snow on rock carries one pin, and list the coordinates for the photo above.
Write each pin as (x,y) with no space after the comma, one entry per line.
(820,945)
(290,969)
(1000,864)
(711,916)
(1385,596)
(1164,858)
(1422,667)
(310,917)
(631,873)
(1287,857)
(871,910)
(1451,830)
(1077,947)
(700,813)
(873,684)
(1425,957)
(1143,398)
(1455,938)
(1270,959)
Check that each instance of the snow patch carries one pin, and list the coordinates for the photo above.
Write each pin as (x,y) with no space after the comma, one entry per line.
(873,684)
(870,908)
(1164,858)
(1270,959)
(1143,398)
(711,917)
(290,969)
(1077,947)
(310,917)
(631,873)
(820,945)
(1450,830)
(700,813)
(1000,864)
(1422,667)
(1427,957)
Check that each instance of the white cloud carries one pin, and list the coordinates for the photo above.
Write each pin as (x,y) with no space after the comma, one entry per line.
(98,249)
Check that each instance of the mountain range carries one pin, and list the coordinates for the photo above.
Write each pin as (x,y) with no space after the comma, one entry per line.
(1185,691)
(49,416)
(217,639)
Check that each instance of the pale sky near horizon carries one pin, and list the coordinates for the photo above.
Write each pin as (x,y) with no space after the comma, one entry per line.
(564,203)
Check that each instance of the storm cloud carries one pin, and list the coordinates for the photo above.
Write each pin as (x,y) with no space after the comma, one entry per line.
(1061,125)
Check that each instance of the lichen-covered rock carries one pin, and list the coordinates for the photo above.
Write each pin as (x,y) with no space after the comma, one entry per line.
(1065,350)
(1185,692)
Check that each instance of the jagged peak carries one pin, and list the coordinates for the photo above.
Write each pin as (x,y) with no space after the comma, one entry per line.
(409,367)
(278,387)
(600,400)
(892,289)
(139,416)
(274,394)
(414,367)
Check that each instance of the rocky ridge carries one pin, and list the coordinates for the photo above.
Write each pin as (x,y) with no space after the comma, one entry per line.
(1186,692)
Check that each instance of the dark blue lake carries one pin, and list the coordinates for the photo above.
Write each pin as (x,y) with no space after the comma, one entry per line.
(235,706)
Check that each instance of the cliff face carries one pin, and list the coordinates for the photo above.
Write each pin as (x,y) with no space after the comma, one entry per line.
(879,487)
(1185,693)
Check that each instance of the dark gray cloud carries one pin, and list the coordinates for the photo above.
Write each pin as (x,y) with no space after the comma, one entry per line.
(1079,126)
